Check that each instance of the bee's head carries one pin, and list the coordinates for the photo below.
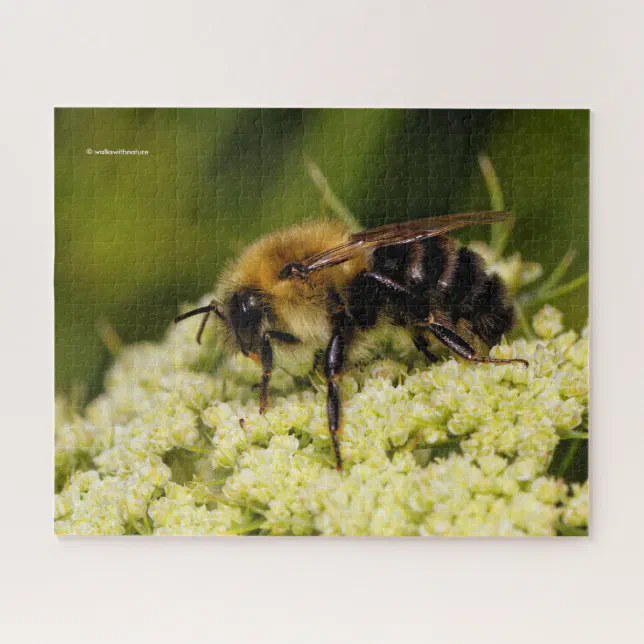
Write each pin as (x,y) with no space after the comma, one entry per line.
(245,314)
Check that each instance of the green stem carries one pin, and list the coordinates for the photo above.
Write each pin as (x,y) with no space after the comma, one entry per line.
(329,197)
(503,237)
(452,442)
(217,499)
(572,450)
(206,483)
(569,531)
(573,434)
(138,530)
(201,428)
(197,450)
(250,527)
(109,336)
(523,322)
(559,272)
(317,458)
(542,298)
(492,182)
(145,531)
(500,233)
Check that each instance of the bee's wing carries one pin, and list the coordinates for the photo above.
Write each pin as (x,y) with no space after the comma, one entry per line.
(403,232)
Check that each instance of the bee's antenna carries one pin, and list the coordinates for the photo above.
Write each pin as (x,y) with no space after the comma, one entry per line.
(211,308)
(189,314)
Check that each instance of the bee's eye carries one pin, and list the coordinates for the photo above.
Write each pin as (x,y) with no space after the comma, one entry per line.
(249,304)
(246,310)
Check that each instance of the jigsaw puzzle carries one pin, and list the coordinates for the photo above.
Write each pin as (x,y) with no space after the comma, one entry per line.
(321,322)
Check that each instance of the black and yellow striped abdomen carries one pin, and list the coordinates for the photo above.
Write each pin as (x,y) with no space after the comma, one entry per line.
(442,280)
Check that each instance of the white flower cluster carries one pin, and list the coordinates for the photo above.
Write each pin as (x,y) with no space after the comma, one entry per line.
(183,512)
(514,272)
(176,445)
(575,513)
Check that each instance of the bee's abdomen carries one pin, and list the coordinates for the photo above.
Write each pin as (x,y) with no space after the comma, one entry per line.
(441,278)
(417,267)
(478,298)
(418,264)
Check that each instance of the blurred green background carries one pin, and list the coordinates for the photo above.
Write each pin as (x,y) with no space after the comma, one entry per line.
(137,235)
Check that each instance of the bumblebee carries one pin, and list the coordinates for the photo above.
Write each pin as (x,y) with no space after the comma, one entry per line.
(318,287)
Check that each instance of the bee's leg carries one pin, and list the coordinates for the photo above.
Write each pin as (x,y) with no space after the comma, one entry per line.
(388,283)
(462,347)
(412,304)
(420,341)
(318,360)
(283,336)
(333,363)
(266,360)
